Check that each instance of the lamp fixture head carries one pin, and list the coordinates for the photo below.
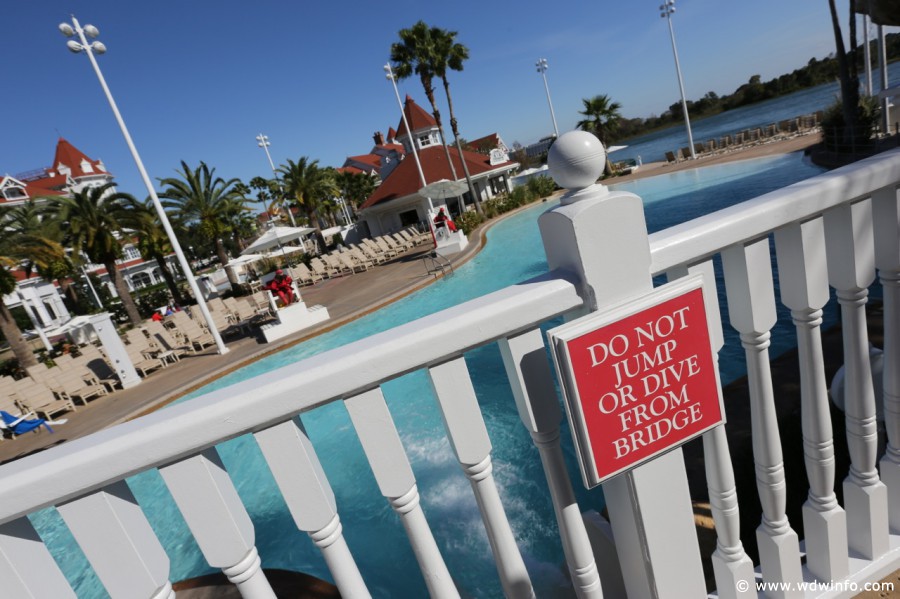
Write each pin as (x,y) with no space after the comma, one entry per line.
(98,47)
(74,46)
(91,31)
(66,29)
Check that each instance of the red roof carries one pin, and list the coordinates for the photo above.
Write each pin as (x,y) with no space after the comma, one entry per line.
(372,159)
(417,116)
(349,169)
(488,141)
(391,134)
(72,157)
(404,180)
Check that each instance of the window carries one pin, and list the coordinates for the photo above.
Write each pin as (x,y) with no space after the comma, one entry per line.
(140,280)
(425,140)
(12,193)
(408,218)
(132,253)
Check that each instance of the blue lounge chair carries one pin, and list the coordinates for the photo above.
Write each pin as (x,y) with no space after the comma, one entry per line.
(19,425)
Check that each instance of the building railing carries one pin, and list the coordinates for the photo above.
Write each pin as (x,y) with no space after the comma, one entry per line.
(599,254)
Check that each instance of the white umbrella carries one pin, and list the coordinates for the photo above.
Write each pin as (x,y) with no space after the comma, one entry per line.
(244,259)
(443,189)
(276,237)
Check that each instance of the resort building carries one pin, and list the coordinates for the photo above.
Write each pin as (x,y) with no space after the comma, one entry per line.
(72,171)
(396,203)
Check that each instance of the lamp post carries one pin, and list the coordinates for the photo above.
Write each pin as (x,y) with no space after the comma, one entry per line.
(99,48)
(541,65)
(666,11)
(263,142)
(389,75)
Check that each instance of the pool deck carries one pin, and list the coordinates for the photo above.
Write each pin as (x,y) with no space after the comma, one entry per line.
(347,298)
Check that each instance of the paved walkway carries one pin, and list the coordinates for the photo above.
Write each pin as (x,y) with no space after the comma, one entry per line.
(346,298)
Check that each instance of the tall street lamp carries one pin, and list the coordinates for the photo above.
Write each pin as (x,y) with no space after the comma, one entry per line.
(389,75)
(541,65)
(99,48)
(665,11)
(263,142)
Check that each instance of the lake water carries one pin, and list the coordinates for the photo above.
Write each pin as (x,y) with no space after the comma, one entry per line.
(375,537)
(653,146)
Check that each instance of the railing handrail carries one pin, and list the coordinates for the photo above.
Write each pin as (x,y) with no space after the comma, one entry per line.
(90,463)
(757,217)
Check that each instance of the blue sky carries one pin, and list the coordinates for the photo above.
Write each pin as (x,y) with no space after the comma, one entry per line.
(199,80)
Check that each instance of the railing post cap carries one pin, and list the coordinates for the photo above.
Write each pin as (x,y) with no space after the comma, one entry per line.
(576,160)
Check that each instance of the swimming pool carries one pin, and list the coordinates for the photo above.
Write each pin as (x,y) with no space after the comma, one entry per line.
(512,254)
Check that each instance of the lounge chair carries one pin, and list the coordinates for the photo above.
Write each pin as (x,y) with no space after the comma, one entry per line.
(97,365)
(164,339)
(68,380)
(192,334)
(322,268)
(38,398)
(372,253)
(14,425)
(304,275)
(144,356)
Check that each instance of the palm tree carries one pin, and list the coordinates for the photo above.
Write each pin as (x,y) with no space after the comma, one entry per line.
(308,185)
(28,218)
(153,242)
(17,246)
(209,202)
(416,53)
(92,221)
(355,187)
(602,120)
(449,54)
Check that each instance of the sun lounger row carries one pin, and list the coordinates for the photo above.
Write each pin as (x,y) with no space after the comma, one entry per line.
(775,131)
(357,258)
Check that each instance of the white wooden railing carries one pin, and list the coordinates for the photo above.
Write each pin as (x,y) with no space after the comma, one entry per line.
(600,254)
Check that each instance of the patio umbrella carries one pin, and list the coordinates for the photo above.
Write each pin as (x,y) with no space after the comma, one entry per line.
(444,189)
(276,237)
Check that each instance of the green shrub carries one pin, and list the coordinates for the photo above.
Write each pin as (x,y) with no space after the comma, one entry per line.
(468,221)
(541,186)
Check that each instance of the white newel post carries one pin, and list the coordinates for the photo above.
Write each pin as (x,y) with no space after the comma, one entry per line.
(528,371)
(384,450)
(800,250)
(118,541)
(469,440)
(732,567)
(27,570)
(886,216)
(850,251)
(601,237)
(305,488)
(218,520)
(751,306)
(115,349)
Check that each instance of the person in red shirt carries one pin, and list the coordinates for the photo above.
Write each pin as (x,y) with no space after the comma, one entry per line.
(443,220)
(281,287)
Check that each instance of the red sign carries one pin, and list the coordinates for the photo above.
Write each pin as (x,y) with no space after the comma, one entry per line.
(640,380)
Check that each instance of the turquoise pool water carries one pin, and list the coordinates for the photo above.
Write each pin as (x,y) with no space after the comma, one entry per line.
(376,538)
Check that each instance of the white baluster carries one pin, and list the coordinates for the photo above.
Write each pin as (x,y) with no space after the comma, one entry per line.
(529,375)
(469,439)
(751,306)
(731,564)
(851,269)
(309,497)
(800,251)
(886,216)
(213,510)
(118,541)
(378,435)
(27,570)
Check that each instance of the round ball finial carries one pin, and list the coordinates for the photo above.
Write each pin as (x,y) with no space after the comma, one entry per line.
(576,160)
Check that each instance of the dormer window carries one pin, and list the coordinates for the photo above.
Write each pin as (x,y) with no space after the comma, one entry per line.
(425,141)
(63,169)
(86,167)
(14,193)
